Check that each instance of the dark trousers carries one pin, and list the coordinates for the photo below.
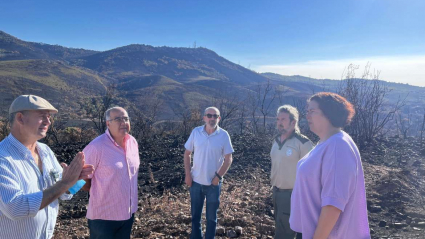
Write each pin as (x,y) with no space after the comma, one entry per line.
(282,211)
(108,229)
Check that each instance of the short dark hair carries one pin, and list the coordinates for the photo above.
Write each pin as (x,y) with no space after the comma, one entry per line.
(338,110)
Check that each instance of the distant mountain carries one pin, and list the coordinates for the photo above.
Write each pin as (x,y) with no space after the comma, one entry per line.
(178,63)
(12,48)
(178,76)
(415,95)
(64,85)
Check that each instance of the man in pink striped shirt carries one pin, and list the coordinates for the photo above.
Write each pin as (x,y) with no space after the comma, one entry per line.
(113,188)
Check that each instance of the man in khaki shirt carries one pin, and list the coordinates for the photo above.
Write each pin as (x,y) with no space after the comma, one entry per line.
(288,148)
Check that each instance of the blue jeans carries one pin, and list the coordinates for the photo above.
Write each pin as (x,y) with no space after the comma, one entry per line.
(198,193)
(108,229)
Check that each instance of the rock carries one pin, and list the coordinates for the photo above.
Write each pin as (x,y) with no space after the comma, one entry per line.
(231,234)
(399,225)
(401,215)
(220,231)
(374,208)
(238,230)
(420,224)
(382,223)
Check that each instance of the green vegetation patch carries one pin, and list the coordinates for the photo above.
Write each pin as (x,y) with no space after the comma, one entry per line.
(34,70)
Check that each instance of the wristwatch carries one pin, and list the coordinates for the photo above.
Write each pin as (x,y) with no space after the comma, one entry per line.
(218,176)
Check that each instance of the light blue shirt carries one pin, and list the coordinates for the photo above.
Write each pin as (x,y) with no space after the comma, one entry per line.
(208,152)
(21,191)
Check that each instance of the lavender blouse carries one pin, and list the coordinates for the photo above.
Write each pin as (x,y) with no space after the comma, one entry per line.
(331,174)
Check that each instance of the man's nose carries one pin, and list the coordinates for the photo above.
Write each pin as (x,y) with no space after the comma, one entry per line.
(47,120)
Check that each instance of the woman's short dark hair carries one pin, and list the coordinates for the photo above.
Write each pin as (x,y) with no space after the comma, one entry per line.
(338,110)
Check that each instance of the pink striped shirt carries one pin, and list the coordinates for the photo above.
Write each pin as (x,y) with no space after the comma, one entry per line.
(113,192)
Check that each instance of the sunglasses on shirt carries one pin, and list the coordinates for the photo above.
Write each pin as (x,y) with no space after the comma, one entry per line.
(209,116)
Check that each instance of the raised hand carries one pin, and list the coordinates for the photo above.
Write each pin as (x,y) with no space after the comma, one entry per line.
(72,172)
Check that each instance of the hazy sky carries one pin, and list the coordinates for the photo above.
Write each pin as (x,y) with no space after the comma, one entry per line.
(291,37)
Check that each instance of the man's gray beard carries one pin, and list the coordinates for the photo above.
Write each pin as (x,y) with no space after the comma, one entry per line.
(282,131)
(212,125)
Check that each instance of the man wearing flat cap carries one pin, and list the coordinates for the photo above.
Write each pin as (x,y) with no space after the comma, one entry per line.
(31,179)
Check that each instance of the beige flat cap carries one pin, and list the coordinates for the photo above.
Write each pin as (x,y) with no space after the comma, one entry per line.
(30,102)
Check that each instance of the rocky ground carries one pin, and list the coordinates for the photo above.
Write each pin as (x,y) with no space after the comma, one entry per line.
(395,184)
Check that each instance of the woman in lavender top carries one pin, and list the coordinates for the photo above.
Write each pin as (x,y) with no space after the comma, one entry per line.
(329,199)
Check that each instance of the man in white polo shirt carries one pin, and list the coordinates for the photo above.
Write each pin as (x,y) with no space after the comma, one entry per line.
(212,157)
(288,148)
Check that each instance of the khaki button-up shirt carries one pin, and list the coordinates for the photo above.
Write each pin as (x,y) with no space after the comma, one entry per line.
(285,157)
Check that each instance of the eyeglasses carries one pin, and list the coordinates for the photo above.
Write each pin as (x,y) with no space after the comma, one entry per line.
(121,119)
(311,111)
(209,116)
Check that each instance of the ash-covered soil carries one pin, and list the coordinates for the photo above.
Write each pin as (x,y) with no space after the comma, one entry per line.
(394,173)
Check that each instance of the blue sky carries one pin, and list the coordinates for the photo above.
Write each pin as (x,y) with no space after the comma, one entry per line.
(310,38)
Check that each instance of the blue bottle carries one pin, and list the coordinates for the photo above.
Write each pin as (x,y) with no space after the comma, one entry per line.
(77,186)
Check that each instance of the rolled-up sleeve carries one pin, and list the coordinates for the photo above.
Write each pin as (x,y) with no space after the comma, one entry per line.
(338,176)
(14,204)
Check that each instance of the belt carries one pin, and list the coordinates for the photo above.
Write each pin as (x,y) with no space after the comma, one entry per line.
(281,190)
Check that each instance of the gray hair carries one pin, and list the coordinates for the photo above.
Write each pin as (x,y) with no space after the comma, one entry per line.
(13,116)
(211,108)
(108,112)
(293,114)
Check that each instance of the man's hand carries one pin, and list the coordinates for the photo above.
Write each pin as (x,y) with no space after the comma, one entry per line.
(215,181)
(87,172)
(70,176)
(72,172)
(188,180)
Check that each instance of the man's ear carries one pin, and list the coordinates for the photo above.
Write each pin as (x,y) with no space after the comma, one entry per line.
(19,118)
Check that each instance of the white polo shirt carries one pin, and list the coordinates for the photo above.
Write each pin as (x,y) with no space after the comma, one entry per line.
(208,152)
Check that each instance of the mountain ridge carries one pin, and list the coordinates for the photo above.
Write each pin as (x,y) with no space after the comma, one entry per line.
(179,76)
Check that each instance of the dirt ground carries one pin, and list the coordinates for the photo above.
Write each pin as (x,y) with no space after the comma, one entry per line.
(394,174)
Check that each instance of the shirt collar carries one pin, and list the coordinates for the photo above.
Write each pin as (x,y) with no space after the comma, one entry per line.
(24,151)
(112,139)
(277,138)
(217,130)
